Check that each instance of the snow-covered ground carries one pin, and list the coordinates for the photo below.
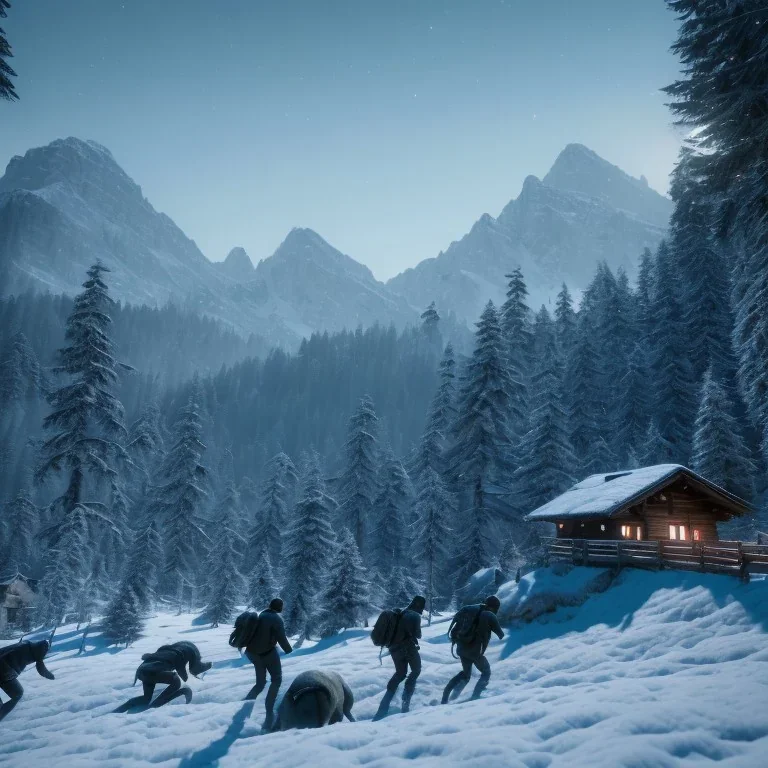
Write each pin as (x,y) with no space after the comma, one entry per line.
(659,669)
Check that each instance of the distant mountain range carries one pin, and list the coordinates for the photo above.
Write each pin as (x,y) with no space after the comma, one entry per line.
(64,205)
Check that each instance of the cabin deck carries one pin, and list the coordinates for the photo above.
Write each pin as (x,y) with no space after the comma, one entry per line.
(734,557)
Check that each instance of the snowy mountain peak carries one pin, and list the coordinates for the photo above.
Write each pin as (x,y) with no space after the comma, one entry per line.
(238,265)
(579,170)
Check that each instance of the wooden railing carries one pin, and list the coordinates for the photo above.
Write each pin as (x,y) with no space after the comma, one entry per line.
(734,557)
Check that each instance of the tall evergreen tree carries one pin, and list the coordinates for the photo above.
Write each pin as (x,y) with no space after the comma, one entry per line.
(633,414)
(262,584)
(430,325)
(480,454)
(7,90)
(359,486)
(226,584)
(344,600)
(674,399)
(146,445)
(442,413)
(390,511)
(707,319)
(21,521)
(565,318)
(86,417)
(644,294)
(275,499)
(308,550)
(430,541)
(65,568)
(719,451)
(514,319)
(179,497)
(655,449)
(722,94)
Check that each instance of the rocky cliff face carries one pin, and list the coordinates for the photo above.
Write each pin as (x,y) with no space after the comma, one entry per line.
(585,210)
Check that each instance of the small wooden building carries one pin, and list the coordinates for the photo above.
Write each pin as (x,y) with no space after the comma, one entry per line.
(666,502)
(17,599)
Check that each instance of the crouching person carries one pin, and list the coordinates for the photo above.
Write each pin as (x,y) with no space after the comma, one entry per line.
(471,631)
(166,666)
(315,699)
(13,660)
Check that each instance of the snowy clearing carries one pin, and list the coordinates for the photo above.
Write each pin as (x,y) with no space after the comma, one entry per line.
(660,669)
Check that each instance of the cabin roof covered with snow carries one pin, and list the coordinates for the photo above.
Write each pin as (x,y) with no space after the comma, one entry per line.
(608,494)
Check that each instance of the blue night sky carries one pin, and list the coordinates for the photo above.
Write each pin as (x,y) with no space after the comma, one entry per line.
(388,127)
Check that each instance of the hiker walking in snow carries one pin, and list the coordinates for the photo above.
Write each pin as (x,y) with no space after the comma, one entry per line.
(13,660)
(166,666)
(470,632)
(403,644)
(260,639)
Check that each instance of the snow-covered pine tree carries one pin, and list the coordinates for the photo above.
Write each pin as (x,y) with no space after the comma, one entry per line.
(719,451)
(116,539)
(480,454)
(586,421)
(514,320)
(430,325)
(674,401)
(654,448)
(275,499)
(262,584)
(178,498)
(309,547)
(86,421)
(226,584)
(123,620)
(358,485)
(401,587)
(65,566)
(146,445)
(345,599)
(565,319)
(390,512)
(548,465)
(442,413)
(722,48)
(633,415)
(144,565)
(707,318)
(21,521)
(430,548)
(7,90)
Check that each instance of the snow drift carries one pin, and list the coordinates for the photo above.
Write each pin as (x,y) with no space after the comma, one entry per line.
(659,669)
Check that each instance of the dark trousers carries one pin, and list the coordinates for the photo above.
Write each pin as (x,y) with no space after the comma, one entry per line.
(151,679)
(458,682)
(263,663)
(13,689)
(405,657)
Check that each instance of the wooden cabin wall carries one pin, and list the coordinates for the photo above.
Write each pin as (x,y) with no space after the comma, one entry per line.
(680,509)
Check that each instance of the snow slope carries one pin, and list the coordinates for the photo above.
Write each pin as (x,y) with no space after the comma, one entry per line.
(660,669)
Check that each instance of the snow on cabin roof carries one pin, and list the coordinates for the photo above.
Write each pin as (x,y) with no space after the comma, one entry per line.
(606,494)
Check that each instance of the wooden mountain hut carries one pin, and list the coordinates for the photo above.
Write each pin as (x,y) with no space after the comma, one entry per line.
(660,516)
(659,503)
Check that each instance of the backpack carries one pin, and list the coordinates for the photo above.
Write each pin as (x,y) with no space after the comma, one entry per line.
(244,632)
(385,628)
(463,628)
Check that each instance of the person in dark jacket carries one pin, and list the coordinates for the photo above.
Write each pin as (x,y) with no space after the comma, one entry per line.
(404,651)
(13,660)
(473,653)
(262,653)
(166,666)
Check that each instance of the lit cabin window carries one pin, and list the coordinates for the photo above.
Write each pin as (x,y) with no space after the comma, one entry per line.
(639,533)
(677,532)
(696,534)
(561,525)
(602,527)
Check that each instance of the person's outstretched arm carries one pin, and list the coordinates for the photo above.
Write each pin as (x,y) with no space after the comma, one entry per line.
(43,671)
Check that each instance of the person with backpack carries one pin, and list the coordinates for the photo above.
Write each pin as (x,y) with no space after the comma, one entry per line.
(261,651)
(470,632)
(403,644)
(13,660)
(168,666)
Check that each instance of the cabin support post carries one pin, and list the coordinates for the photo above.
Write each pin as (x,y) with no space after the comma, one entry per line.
(659,555)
